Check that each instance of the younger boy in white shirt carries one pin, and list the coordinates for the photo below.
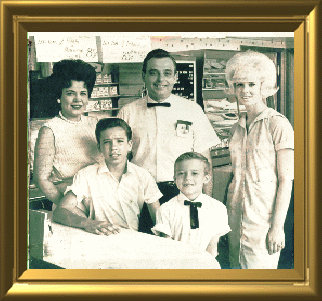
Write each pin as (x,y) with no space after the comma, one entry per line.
(192,216)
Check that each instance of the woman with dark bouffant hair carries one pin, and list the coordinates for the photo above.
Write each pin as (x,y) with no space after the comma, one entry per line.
(66,143)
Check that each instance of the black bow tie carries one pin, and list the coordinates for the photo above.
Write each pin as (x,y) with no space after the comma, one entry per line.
(158,104)
(194,220)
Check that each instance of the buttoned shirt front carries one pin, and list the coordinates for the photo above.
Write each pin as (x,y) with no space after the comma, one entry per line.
(161,134)
(252,193)
(104,198)
(173,219)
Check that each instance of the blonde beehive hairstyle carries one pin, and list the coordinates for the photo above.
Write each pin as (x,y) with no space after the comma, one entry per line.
(254,64)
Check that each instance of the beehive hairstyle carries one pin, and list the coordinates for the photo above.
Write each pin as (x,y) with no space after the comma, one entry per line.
(65,71)
(255,65)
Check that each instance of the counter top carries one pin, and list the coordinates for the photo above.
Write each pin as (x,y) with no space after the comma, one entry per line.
(74,248)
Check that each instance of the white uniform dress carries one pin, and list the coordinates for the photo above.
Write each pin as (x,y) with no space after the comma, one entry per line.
(252,193)
(104,198)
(173,219)
(161,134)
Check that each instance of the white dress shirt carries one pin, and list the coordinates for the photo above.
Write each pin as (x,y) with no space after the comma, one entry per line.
(173,219)
(104,198)
(161,134)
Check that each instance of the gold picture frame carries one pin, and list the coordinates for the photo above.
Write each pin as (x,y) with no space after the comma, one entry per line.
(20,17)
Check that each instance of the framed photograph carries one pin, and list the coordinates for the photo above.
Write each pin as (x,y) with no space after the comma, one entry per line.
(18,18)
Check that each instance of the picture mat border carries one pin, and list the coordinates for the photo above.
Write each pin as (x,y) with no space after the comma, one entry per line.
(206,274)
(21,17)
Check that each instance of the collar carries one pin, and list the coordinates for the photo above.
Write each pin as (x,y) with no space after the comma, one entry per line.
(70,121)
(268,112)
(181,198)
(102,168)
(150,100)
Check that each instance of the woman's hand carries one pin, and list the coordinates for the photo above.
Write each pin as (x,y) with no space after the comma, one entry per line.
(275,240)
(101,228)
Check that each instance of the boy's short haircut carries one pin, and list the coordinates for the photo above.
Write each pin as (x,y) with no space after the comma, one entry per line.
(107,123)
(194,155)
(159,54)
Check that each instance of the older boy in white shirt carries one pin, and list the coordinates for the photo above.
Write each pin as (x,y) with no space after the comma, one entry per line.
(109,195)
(192,216)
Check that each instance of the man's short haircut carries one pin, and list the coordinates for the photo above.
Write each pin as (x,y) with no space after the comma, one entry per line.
(107,123)
(194,155)
(158,53)
(65,71)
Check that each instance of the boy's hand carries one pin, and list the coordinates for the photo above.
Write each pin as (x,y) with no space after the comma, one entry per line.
(101,228)
(275,240)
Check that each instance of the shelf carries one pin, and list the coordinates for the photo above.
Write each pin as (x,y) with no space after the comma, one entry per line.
(113,96)
(214,73)
(105,84)
(102,110)
(129,96)
(104,97)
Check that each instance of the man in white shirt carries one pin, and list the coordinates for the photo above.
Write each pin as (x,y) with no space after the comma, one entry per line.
(165,125)
(109,195)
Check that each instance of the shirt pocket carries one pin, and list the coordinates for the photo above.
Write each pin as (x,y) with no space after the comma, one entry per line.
(183,143)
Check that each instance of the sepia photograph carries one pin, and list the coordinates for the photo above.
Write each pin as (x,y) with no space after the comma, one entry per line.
(161,150)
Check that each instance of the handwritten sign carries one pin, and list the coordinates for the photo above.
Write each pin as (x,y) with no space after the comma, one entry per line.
(123,48)
(55,47)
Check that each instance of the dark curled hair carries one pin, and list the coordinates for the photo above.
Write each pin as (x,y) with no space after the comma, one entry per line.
(65,71)
(158,53)
(194,155)
(107,123)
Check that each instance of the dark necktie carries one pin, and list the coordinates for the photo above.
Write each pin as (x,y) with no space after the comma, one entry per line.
(158,104)
(194,220)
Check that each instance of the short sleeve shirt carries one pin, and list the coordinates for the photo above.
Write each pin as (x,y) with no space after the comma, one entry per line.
(253,155)
(161,134)
(173,219)
(104,198)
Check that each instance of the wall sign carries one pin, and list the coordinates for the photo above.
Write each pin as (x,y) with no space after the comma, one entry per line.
(58,46)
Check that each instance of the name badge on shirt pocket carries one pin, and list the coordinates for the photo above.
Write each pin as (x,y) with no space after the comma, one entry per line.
(183,128)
